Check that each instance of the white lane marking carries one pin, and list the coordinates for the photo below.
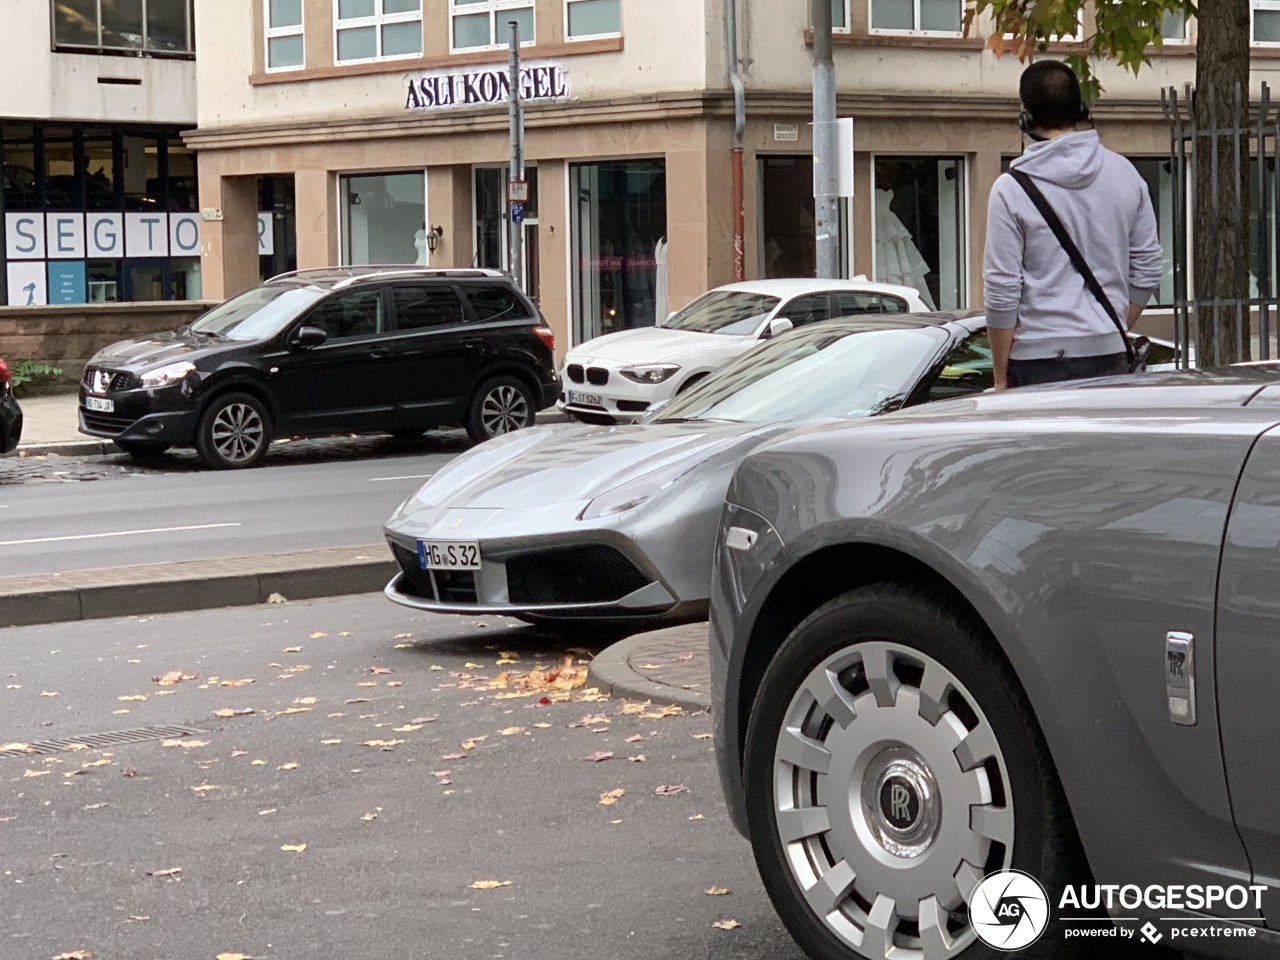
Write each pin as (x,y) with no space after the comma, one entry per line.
(418,476)
(118,533)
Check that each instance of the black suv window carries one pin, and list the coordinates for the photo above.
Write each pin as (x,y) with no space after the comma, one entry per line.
(854,303)
(429,305)
(808,309)
(356,313)
(968,369)
(496,302)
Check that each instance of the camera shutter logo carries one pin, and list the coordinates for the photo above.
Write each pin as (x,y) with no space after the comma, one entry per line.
(1009,910)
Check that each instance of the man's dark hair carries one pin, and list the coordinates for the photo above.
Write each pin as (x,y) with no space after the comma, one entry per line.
(1050,92)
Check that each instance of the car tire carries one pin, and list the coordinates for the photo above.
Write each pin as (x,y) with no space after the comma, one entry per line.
(141,449)
(501,405)
(887,682)
(234,432)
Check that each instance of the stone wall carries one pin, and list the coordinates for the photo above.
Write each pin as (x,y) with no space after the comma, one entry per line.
(67,336)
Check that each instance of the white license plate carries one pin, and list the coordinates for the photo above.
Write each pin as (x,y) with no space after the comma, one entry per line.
(594,399)
(100,404)
(449,554)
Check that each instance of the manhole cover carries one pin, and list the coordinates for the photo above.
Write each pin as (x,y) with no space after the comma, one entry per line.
(98,740)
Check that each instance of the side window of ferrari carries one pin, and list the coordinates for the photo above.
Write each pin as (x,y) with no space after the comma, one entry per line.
(967,370)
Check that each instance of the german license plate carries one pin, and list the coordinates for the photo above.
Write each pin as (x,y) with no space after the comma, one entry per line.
(594,399)
(449,554)
(100,404)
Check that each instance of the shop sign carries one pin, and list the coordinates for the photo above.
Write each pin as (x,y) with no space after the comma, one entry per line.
(28,284)
(67,281)
(539,83)
(100,236)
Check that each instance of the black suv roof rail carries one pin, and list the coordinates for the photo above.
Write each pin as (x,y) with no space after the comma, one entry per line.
(347,276)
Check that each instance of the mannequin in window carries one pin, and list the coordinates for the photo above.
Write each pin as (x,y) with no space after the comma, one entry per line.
(898,259)
(420,241)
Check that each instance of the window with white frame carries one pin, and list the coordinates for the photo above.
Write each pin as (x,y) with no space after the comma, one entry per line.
(1173,28)
(284,34)
(1266,23)
(840,16)
(927,17)
(586,19)
(377,29)
(485,24)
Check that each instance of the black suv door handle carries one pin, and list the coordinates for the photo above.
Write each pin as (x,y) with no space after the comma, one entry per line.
(379,354)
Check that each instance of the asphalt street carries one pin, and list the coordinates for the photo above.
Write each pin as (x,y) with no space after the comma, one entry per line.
(389,763)
(177,511)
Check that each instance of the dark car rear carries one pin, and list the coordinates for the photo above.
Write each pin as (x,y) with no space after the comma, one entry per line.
(10,413)
(350,349)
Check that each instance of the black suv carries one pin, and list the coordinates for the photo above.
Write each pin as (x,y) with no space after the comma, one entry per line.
(10,414)
(345,349)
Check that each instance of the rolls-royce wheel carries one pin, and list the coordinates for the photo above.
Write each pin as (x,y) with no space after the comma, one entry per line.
(234,432)
(892,763)
(501,405)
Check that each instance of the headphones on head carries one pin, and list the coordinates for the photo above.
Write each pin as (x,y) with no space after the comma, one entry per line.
(1027,121)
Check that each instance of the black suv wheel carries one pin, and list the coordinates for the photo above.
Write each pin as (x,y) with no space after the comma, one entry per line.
(501,405)
(234,432)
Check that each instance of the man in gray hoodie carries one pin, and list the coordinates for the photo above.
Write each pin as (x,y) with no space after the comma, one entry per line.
(1043,322)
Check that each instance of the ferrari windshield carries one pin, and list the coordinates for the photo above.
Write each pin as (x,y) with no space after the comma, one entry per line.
(259,313)
(818,372)
(734,313)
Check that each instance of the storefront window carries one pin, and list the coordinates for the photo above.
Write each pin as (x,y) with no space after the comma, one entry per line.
(493,225)
(919,227)
(1159,179)
(378,29)
(788,246)
(484,23)
(285,44)
(384,218)
(619,225)
(154,26)
(593,18)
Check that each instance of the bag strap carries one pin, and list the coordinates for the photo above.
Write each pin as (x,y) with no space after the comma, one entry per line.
(1073,254)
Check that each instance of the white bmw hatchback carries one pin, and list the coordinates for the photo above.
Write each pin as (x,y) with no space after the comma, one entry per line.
(621,376)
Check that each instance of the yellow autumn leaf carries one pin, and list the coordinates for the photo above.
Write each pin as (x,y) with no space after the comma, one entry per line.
(49,693)
(318,634)
(288,766)
(330,743)
(277,598)
(383,743)
(134,697)
(436,668)
(20,747)
(305,701)
(651,666)
(697,816)
(205,788)
(292,649)
(294,847)
(473,666)
(97,763)
(36,773)
(609,798)
(718,891)
(370,816)
(510,731)
(472,742)
(234,956)
(490,884)
(264,813)
(703,736)
(257,763)
(726,924)
(367,683)
(543,726)
(408,728)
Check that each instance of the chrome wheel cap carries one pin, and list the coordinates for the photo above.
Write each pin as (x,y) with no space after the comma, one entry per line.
(891,801)
(238,432)
(504,409)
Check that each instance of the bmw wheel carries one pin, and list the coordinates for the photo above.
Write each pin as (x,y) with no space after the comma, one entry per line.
(892,762)
(234,432)
(500,406)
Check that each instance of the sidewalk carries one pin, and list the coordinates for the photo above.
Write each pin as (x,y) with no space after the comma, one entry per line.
(51,425)
(669,666)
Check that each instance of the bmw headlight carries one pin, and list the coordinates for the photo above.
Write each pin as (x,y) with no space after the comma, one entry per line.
(650,373)
(166,375)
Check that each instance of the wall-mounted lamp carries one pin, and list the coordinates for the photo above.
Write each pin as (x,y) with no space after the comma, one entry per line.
(433,238)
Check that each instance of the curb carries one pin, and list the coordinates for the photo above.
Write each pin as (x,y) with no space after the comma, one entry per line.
(612,671)
(98,448)
(193,585)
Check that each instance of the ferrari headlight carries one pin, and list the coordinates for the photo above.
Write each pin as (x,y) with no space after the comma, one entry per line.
(633,493)
(164,376)
(650,373)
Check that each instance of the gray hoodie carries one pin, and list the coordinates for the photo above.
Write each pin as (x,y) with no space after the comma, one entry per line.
(1030,283)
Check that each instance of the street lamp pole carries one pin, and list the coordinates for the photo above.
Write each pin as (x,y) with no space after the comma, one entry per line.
(515,211)
(826,164)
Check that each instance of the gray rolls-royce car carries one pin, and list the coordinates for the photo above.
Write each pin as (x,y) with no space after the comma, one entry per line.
(1034,631)
(568,522)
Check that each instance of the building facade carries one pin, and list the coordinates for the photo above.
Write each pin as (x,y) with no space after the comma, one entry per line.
(99,190)
(380,127)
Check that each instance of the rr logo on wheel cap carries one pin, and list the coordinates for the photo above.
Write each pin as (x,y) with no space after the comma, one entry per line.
(899,803)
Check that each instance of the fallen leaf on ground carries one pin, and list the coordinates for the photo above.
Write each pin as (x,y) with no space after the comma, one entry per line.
(368,817)
(305,701)
(703,736)
(20,747)
(367,683)
(436,669)
(330,743)
(610,797)
(288,766)
(134,697)
(408,728)
(228,712)
(663,713)
(472,742)
(697,816)
(97,763)
(403,636)
(593,720)
(174,676)
(287,711)
(205,788)
(718,891)
(726,924)
(136,919)
(686,657)
(76,955)
(472,666)
(634,739)
(357,700)
(277,598)
(490,884)
(318,634)
(424,719)
(292,649)
(116,713)
(294,847)
(543,726)
(129,772)
(394,683)
(638,758)
(383,743)
(510,731)
(454,756)
(377,671)
(171,872)
(265,813)
(36,773)
(184,744)
(49,693)
(634,708)
(599,756)
(652,666)
(667,790)
(236,683)
(239,753)
(257,763)
(234,956)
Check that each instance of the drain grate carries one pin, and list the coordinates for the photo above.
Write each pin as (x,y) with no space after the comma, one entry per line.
(97,740)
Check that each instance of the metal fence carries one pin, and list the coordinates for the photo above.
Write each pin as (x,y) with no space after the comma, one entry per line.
(1227,133)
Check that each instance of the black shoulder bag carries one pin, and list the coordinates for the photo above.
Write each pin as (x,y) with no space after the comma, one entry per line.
(1135,348)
